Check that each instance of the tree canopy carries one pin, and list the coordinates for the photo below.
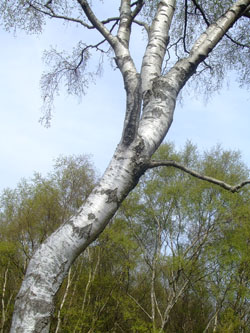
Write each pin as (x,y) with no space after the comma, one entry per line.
(76,70)
(174,259)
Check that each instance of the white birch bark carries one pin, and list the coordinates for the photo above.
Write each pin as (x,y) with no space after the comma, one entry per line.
(157,44)
(91,277)
(59,319)
(3,301)
(141,137)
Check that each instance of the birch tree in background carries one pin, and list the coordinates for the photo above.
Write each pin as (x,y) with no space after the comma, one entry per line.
(186,40)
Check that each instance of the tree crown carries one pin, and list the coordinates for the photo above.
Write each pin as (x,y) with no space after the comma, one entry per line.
(76,70)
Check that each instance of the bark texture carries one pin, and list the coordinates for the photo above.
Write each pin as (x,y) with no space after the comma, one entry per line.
(151,99)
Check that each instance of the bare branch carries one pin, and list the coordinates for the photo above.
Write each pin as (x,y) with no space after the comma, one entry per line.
(96,23)
(185,27)
(216,31)
(143,24)
(141,307)
(158,308)
(231,188)
(111,19)
(82,54)
(123,60)
(96,46)
(208,23)
(138,8)
(247,12)
(201,11)
(236,42)
(206,43)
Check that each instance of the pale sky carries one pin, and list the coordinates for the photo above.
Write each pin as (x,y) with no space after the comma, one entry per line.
(93,125)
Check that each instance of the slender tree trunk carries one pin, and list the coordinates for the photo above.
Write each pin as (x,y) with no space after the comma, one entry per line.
(215,322)
(152,293)
(59,320)
(214,319)
(3,302)
(91,277)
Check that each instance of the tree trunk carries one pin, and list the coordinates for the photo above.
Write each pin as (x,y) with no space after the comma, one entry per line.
(3,302)
(53,259)
(59,319)
(142,135)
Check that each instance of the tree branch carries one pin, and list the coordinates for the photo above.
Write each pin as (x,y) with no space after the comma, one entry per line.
(124,29)
(96,23)
(157,45)
(127,17)
(205,44)
(231,188)
(123,60)
(185,27)
(143,24)
(236,42)
(138,8)
(208,23)
(128,70)
(214,33)
(201,11)
(247,12)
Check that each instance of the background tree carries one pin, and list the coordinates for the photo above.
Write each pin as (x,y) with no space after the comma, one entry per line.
(151,93)
(180,223)
(30,213)
(175,258)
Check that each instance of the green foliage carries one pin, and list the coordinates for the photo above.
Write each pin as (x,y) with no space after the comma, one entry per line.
(174,259)
(32,211)
(190,231)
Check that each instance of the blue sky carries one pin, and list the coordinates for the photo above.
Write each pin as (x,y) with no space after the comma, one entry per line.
(92,125)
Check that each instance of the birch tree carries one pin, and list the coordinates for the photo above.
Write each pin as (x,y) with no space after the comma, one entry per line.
(185,40)
(179,224)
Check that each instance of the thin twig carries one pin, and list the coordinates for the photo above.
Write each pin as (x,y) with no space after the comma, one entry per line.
(236,42)
(96,46)
(142,24)
(185,27)
(201,11)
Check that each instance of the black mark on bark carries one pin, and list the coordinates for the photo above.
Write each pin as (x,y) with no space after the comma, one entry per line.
(83,232)
(112,195)
(139,148)
(91,216)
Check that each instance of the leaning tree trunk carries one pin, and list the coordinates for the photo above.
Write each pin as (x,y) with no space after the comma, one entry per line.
(141,136)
